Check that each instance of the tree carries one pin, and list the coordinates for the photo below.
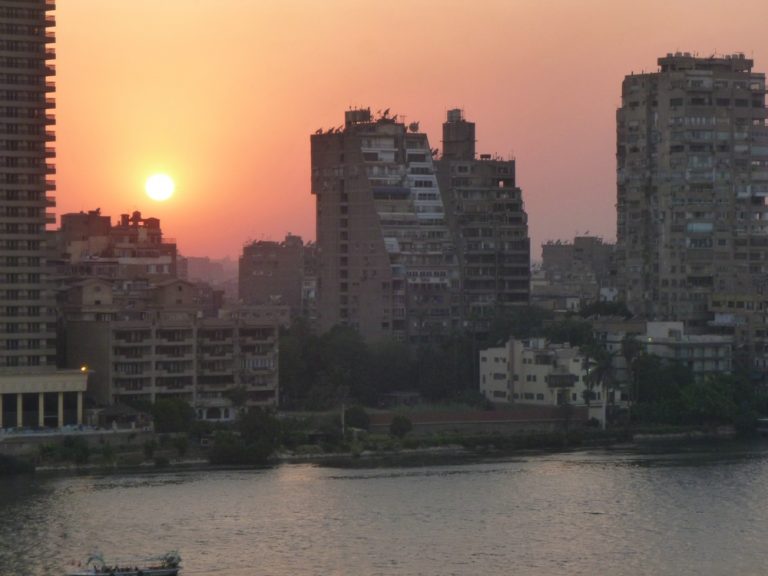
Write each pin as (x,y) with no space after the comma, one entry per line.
(172,415)
(603,308)
(576,331)
(630,350)
(149,449)
(181,443)
(599,365)
(400,426)
(520,322)
(709,401)
(259,425)
(238,396)
(357,417)
(659,386)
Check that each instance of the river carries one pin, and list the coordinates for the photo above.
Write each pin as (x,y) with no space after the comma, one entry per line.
(698,511)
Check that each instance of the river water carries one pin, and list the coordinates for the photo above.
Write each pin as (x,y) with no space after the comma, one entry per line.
(700,511)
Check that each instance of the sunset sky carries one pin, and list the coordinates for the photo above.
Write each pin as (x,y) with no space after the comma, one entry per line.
(223,94)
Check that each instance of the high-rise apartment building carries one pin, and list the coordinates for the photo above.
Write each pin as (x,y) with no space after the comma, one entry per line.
(488,222)
(386,261)
(692,173)
(32,391)
(272,273)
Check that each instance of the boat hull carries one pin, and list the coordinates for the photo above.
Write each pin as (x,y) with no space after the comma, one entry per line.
(140,572)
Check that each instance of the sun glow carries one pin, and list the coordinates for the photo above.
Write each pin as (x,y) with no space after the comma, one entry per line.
(159,187)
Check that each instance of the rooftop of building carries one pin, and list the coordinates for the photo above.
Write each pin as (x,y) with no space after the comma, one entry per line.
(674,61)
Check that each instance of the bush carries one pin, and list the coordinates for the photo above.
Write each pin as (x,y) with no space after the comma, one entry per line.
(181,443)
(400,426)
(108,454)
(149,449)
(11,465)
(161,462)
(172,415)
(75,450)
(232,449)
(357,417)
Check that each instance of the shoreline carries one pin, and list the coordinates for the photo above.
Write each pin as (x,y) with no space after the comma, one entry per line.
(450,453)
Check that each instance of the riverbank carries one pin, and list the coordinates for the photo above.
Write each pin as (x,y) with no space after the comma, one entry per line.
(384,451)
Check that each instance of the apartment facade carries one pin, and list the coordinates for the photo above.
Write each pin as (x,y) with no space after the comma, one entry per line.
(386,261)
(32,391)
(273,273)
(535,371)
(488,222)
(171,351)
(692,174)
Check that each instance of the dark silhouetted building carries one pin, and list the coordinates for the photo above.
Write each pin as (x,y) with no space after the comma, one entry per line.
(488,222)
(386,261)
(32,391)
(692,171)
(273,273)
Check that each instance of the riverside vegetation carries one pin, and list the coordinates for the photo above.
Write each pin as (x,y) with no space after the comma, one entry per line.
(319,373)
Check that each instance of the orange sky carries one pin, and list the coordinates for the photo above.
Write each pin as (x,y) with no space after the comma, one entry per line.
(223,95)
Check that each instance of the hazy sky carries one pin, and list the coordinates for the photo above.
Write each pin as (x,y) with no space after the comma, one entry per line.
(223,95)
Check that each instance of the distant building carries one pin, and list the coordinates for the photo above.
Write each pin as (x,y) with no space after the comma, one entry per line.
(704,354)
(386,261)
(535,371)
(488,222)
(33,393)
(744,317)
(692,170)
(166,349)
(132,248)
(574,274)
(273,273)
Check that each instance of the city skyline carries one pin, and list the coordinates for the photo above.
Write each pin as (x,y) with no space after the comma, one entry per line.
(215,95)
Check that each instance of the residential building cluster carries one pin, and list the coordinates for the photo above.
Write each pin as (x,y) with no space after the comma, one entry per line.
(413,244)
(535,371)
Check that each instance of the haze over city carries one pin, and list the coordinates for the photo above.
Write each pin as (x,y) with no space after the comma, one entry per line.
(223,96)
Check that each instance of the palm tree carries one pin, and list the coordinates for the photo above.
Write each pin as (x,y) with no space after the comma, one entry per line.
(630,350)
(599,365)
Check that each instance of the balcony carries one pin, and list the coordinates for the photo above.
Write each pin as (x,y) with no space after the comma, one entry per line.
(561,380)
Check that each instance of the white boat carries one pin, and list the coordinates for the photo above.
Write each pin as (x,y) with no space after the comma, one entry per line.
(165,565)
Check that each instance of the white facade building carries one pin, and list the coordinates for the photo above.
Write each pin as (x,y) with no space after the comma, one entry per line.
(535,371)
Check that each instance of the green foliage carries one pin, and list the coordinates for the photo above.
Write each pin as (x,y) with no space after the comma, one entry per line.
(668,394)
(260,425)
(10,465)
(149,449)
(709,401)
(357,417)
(181,444)
(520,322)
(230,448)
(606,309)
(108,454)
(574,330)
(258,434)
(238,396)
(161,462)
(172,415)
(320,372)
(400,426)
(74,449)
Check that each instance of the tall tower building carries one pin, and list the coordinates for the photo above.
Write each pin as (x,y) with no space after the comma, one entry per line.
(692,178)
(387,265)
(488,222)
(32,391)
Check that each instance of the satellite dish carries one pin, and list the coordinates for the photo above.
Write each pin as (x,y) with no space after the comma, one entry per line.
(413,126)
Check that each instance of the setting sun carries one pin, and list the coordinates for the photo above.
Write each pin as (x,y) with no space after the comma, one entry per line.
(159,187)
